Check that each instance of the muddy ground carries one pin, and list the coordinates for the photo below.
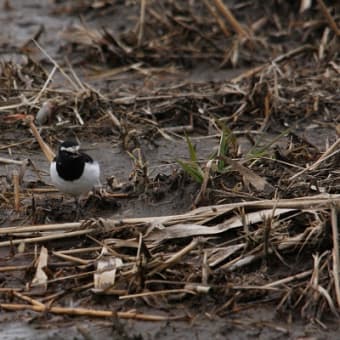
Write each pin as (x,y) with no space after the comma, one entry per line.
(272,91)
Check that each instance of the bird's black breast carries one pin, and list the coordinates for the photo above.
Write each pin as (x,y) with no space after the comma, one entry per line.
(70,167)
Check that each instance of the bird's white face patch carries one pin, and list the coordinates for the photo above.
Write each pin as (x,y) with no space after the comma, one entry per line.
(71,149)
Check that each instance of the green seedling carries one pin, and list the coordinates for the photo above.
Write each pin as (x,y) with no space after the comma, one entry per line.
(192,167)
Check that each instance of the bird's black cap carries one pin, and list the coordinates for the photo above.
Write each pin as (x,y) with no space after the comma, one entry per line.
(68,143)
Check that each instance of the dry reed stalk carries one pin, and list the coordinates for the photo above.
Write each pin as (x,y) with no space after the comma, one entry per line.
(288,279)
(80,250)
(257,253)
(201,195)
(141,22)
(281,58)
(325,294)
(114,120)
(75,76)
(218,19)
(10,290)
(322,201)
(4,198)
(225,11)
(111,73)
(205,268)
(258,182)
(46,238)
(335,253)
(69,277)
(10,161)
(49,154)
(51,298)
(41,190)
(40,228)
(12,145)
(76,112)
(43,89)
(332,23)
(154,293)
(82,287)
(133,98)
(176,257)
(71,258)
(60,69)
(331,151)
(16,190)
(90,312)
(13,268)
(28,299)
(175,129)
(14,106)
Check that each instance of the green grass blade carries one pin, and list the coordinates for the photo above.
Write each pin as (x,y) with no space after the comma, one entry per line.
(193,170)
(192,151)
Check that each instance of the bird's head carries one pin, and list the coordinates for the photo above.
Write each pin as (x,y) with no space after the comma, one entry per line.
(71,148)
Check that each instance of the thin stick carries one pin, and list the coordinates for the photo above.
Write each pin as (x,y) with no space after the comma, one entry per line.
(335,253)
(329,18)
(91,312)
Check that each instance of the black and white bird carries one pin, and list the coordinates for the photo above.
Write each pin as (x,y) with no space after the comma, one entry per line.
(74,172)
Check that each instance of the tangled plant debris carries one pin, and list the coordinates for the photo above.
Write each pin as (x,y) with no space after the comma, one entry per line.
(263,226)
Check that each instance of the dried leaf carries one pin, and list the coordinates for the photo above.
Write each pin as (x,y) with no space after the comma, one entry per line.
(249,176)
(304,5)
(40,277)
(81,35)
(45,112)
(221,254)
(190,229)
(105,275)
(21,247)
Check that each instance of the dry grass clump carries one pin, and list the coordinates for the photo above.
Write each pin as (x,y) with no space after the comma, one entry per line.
(236,254)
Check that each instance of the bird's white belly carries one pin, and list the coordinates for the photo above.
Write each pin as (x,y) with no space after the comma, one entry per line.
(88,180)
